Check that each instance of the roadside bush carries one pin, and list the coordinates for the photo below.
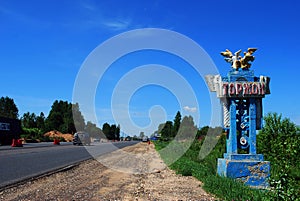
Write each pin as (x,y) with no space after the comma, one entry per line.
(31,134)
(279,142)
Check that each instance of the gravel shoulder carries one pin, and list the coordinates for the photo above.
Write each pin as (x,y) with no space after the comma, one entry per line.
(144,177)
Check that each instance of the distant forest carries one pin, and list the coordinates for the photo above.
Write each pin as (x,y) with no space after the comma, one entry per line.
(63,116)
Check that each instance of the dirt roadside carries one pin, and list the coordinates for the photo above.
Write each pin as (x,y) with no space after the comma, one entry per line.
(93,181)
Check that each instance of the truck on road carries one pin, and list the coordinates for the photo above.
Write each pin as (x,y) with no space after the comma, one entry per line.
(81,138)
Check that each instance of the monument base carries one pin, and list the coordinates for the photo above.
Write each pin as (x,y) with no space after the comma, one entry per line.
(248,169)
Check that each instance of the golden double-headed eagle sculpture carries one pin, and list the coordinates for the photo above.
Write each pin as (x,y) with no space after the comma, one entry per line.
(238,61)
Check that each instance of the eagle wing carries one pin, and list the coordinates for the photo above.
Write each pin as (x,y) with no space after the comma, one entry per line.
(237,53)
(252,50)
(227,53)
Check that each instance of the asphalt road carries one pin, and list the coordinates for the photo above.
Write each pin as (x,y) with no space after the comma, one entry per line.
(18,164)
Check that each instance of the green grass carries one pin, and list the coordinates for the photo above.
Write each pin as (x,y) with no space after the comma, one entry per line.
(205,171)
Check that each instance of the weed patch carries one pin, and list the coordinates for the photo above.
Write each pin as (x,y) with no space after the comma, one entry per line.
(205,171)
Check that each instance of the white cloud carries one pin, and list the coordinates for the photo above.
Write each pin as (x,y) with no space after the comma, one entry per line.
(117,24)
(190,109)
(99,17)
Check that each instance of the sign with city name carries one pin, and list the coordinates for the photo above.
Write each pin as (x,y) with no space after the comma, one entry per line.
(243,89)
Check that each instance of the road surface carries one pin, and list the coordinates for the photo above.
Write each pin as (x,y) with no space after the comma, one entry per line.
(90,180)
(32,160)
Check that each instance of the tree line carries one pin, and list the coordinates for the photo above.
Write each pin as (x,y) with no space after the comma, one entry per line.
(63,116)
(184,128)
(67,118)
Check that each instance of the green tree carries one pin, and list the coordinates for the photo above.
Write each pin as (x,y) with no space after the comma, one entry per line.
(201,133)
(114,132)
(68,125)
(28,120)
(135,137)
(177,122)
(187,130)
(8,108)
(77,117)
(40,122)
(118,132)
(33,126)
(279,140)
(55,118)
(93,130)
(63,116)
(53,121)
(107,131)
(167,131)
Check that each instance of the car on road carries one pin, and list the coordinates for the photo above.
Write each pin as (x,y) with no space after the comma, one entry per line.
(145,139)
(81,138)
(96,140)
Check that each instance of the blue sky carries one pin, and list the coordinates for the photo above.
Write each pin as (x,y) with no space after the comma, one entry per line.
(44,44)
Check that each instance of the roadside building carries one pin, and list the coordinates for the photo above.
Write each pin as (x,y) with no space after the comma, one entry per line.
(9,129)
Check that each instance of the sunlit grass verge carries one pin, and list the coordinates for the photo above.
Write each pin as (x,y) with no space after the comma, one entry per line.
(205,171)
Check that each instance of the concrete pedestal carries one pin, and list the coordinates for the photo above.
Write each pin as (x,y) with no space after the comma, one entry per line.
(248,168)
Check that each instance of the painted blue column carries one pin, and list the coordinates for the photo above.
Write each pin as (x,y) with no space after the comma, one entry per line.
(252,126)
(241,93)
(232,141)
